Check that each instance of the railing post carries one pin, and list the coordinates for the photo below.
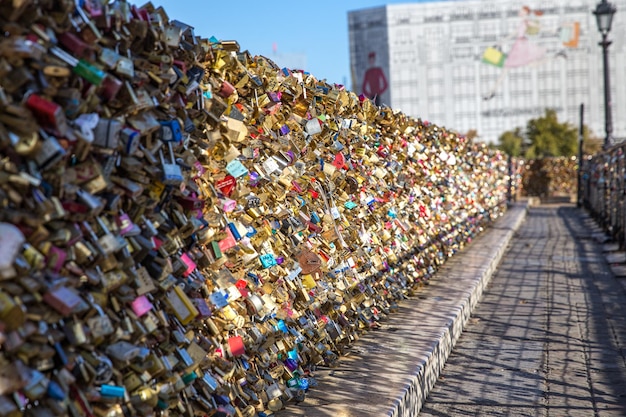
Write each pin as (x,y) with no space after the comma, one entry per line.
(580,157)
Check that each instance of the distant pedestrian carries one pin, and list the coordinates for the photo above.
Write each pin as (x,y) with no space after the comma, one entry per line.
(374,80)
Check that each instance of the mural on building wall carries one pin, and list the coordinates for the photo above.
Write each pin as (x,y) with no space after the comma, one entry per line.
(374,82)
(523,48)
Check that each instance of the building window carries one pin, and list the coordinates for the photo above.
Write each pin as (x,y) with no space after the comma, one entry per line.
(433,19)
(462,32)
(434,33)
(461,13)
(489,13)
(435,90)
(576,73)
(462,53)
(512,12)
(579,9)
(488,29)
(548,75)
(434,75)
(550,10)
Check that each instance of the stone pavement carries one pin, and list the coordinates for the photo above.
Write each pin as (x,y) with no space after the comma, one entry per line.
(549,335)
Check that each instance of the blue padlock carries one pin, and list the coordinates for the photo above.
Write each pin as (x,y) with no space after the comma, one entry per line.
(281,326)
(170,131)
(112,391)
(234,231)
(267,260)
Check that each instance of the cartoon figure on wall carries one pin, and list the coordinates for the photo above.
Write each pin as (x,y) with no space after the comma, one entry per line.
(524,51)
(374,80)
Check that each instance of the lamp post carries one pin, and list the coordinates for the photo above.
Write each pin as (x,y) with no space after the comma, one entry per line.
(604,17)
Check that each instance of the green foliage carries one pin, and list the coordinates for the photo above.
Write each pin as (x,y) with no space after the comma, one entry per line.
(591,143)
(543,137)
(547,137)
(511,142)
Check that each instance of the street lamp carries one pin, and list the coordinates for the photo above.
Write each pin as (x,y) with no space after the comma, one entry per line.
(604,17)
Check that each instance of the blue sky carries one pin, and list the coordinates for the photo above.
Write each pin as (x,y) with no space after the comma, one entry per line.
(313,35)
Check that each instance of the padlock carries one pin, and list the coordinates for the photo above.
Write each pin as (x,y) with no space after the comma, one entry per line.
(170,131)
(36,385)
(49,152)
(129,140)
(93,203)
(108,242)
(100,325)
(75,332)
(80,67)
(107,133)
(182,306)
(63,299)
(172,174)
(11,313)
(49,114)
(74,44)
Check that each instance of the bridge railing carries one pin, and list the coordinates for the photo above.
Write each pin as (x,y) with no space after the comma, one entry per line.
(603,190)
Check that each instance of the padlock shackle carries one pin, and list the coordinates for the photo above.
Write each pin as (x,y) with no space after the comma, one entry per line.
(172,159)
(102,225)
(95,305)
(161,156)
(63,56)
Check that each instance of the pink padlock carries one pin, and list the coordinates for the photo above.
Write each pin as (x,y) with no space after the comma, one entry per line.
(191,265)
(141,305)
(56,259)
(228,205)
(228,242)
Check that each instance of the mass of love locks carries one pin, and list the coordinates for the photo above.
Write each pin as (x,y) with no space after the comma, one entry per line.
(188,229)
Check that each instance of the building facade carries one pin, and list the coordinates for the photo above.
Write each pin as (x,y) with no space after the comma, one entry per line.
(490,65)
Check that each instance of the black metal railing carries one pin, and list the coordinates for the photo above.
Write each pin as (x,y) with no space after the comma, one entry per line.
(603,190)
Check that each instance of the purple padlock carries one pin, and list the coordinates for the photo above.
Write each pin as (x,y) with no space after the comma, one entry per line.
(291,364)
(284,129)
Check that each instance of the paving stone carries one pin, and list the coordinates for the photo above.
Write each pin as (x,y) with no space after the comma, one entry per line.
(610,247)
(548,337)
(616,257)
(619,270)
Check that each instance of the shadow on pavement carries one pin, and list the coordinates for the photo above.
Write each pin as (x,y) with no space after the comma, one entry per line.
(604,335)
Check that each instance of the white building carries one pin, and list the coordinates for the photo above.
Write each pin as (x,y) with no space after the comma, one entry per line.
(431,56)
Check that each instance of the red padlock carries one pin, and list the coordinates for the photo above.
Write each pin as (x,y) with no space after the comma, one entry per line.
(226,90)
(74,44)
(110,87)
(49,114)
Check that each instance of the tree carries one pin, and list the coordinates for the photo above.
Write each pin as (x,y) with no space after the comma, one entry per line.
(591,143)
(547,137)
(511,142)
